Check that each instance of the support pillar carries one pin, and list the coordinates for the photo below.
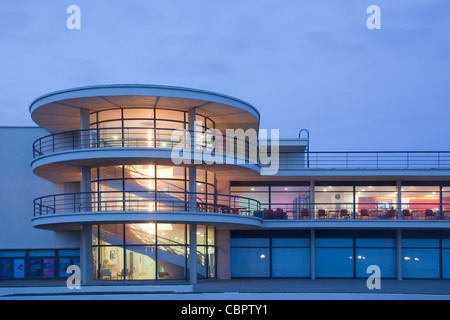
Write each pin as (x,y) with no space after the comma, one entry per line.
(313,254)
(398,240)
(312,197)
(399,199)
(86,255)
(192,253)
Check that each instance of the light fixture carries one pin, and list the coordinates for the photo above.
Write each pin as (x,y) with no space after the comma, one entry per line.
(263,256)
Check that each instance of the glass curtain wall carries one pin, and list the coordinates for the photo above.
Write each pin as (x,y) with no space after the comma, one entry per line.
(150,251)
(352,201)
(148,188)
(141,127)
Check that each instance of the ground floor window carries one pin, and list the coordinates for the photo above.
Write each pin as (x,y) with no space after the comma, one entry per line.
(340,254)
(37,264)
(151,251)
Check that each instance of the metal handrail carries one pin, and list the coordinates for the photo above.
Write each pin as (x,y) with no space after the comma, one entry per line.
(355,211)
(137,137)
(365,160)
(148,201)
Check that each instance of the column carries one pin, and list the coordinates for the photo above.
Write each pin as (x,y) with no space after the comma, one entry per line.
(84,126)
(313,254)
(85,171)
(223,247)
(399,199)
(86,255)
(312,197)
(192,253)
(398,240)
(192,196)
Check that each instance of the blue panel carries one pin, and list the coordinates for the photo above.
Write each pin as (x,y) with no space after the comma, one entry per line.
(420,263)
(420,243)
(385,258)
(12,253)
(334,262)
(41,253)
(374,243)
(287,242)
(334,242)
(446,263)
(250,262)
(291,262)
(445,243)
(250,242)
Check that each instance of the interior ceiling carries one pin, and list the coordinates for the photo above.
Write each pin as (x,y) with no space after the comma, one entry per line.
(64,115)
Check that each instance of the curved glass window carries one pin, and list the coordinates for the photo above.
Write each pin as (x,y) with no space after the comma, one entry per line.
(145,118)
(150,251)
(149,187)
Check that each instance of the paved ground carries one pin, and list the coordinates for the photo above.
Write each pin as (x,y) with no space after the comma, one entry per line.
(237,289)
(325,285)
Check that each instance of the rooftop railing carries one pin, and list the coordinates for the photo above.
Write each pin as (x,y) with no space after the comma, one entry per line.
(365,160)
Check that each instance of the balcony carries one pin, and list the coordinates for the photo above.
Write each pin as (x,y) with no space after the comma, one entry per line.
(352,211)
(207,143)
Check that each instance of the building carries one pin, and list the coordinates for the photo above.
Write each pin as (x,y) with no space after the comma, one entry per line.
(104,192)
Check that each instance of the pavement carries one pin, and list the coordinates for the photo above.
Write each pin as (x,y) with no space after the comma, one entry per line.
(234,289)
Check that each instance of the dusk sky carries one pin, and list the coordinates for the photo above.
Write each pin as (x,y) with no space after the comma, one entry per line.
(303,64)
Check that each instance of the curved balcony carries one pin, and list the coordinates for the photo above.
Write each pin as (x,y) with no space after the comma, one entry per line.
(168,144)
(117,206)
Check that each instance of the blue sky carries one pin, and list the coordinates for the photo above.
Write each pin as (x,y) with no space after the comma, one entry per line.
(304,64)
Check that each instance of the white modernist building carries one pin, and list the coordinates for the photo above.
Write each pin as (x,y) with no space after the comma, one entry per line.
(104,191)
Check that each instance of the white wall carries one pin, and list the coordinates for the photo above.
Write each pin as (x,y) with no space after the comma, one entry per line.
(18,188)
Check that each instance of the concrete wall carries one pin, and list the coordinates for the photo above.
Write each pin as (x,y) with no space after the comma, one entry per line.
(18,188)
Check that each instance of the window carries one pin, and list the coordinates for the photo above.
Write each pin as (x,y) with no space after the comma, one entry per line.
(150,251)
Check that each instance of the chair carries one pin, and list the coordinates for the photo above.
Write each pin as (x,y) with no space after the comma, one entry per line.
(344,213)
(406,214)
(391,214)
(226,210)
(106,273)
(429,213)
(364,213)
(321,214)
(280,214)
(304,213)
(269,214)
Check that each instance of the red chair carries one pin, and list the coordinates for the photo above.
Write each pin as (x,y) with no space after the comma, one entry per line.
(226,210)
(391,214)
(406,214)
(280,214)
(321,214)
(344,213)
(304,213)
(429,213)
(269,214)
(364,213)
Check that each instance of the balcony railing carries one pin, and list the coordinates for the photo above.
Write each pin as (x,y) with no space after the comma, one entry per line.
(144,201)
(365,160)
(168,201)
(352,211)
(144,138)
